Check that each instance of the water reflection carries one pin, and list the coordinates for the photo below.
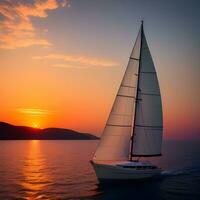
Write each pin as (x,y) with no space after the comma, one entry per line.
(36,179)
(61,170)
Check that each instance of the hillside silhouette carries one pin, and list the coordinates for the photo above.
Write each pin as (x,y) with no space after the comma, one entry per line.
(11,132)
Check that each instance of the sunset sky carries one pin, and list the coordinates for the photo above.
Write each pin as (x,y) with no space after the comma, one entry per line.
(62,61)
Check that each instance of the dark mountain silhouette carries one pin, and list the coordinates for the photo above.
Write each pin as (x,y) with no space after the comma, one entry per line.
(11,132)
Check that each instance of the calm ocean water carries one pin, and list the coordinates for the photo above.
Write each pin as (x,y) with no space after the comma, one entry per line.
(61,170)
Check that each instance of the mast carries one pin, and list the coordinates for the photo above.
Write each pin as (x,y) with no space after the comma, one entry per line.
(136,97)
(139,94)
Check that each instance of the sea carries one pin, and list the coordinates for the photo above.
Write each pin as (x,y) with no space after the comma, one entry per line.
(58,169)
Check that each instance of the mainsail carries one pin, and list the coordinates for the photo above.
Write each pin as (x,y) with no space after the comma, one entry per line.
(145,131)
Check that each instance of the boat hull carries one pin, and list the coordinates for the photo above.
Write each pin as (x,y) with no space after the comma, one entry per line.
(107,172)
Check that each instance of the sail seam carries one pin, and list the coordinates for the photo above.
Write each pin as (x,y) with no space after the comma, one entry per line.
(134,58)
(118,125)
(128,86)
(121,114)
(151,94)
(126,96)
(148,126)
(146,155)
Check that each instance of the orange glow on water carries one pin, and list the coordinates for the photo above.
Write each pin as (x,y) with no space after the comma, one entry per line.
(35,177)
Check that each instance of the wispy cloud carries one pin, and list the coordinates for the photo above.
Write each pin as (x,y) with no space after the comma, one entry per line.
(33,111)
(77,61)
(16,27)
(65,3)
(68,66)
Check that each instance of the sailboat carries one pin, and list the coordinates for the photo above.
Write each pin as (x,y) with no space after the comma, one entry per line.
(135,125)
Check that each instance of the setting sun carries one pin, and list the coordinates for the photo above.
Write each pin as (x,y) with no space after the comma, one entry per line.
(35,126)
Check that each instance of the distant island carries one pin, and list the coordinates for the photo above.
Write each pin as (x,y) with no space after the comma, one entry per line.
(11,132)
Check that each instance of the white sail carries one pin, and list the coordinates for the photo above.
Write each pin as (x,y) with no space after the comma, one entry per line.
(139,81)
(115,140)
(147,136)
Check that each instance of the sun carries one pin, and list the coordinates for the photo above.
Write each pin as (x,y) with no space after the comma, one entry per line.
(35,125)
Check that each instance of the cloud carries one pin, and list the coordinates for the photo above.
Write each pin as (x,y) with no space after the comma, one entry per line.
(65,3)
(68,66)
(33,111)
(16,28)
(77,61)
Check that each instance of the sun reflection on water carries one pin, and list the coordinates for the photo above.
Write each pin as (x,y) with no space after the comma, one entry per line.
(36,179)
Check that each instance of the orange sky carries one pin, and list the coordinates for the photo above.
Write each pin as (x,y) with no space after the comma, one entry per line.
(62,62)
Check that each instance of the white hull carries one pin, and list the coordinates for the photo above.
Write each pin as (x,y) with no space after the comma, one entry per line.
(120,171)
